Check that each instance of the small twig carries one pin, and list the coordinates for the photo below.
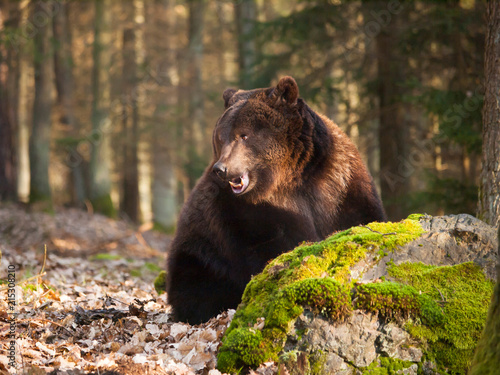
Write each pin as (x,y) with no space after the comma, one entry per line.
(90,208)
(443,300)
(44,260)
(57,324)
(141,240)
(374,231)
(117,300)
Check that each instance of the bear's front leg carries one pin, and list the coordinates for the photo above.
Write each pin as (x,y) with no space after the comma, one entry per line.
(196,292)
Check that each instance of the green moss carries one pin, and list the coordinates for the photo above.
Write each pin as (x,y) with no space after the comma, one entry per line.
(317,361)
(462,294)
(160,282)
(324,296)
(416,216)
(387,366)
(31,287)
(105,256)
(244,347)
(315,275)
(487,355)
(394,300)
(104,205)
(303,363)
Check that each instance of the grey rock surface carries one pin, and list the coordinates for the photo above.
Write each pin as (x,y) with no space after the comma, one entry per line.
(359,341)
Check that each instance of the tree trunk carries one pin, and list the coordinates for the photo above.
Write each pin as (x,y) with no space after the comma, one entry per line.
(7,162)
(164,202)
(63,69)
(8,105)
(489,189)
(7,165)
(100,160)
(130,196)
(196,110)
(42,107)
(246,16)
(395,170)
(23,125)
(487,357)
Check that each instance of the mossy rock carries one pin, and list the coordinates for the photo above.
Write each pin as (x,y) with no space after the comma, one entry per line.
(306,299)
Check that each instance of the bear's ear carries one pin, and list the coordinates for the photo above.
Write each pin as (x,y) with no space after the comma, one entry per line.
(227,95)
(286,90)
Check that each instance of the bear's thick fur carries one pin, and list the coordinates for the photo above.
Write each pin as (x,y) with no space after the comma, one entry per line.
(281,174)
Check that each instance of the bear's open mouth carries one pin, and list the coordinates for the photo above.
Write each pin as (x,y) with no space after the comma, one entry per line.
(239,184)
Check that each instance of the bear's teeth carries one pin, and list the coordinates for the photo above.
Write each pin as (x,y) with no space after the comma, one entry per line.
(239,184)
(235,184)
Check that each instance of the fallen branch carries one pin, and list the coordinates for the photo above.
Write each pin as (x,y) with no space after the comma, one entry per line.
(374,231)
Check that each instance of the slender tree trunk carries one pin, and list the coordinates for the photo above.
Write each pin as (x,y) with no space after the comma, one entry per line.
(246,17)
(63,69)
(224,74)
(130,188)
(393,133)
(23,125)
(196,108)
(63,65)
(7,165)
(164,203)
(489,189)
(42,108)
(100,160)
(7,161)
(9,74)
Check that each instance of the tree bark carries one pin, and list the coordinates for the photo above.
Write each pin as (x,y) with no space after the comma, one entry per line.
(23,118)
(489,189)
(196,108)
(63,69)
(42,107)
(164,184)
(487,357)
(100,160)
(130,197)
(8,104)
(246,16)
(7,164)
(393,133)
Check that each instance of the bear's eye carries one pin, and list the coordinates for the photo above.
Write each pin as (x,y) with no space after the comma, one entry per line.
(244,137)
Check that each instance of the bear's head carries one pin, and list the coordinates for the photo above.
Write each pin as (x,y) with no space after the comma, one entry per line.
(263,140)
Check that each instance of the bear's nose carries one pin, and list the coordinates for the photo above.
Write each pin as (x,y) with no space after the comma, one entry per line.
(220,170)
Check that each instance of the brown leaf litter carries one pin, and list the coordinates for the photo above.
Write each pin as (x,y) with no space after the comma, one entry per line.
(94,309)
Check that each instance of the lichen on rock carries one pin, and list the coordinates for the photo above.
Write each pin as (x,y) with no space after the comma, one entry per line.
(315,304)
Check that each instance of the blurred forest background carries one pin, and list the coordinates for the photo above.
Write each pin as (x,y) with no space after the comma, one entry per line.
(111,104)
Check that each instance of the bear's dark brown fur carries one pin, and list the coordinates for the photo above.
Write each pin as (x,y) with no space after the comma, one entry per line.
(281,174)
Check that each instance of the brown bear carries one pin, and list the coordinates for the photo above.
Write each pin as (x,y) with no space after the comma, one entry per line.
(281,174)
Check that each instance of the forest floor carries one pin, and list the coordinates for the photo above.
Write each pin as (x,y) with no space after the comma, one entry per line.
(88,305)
